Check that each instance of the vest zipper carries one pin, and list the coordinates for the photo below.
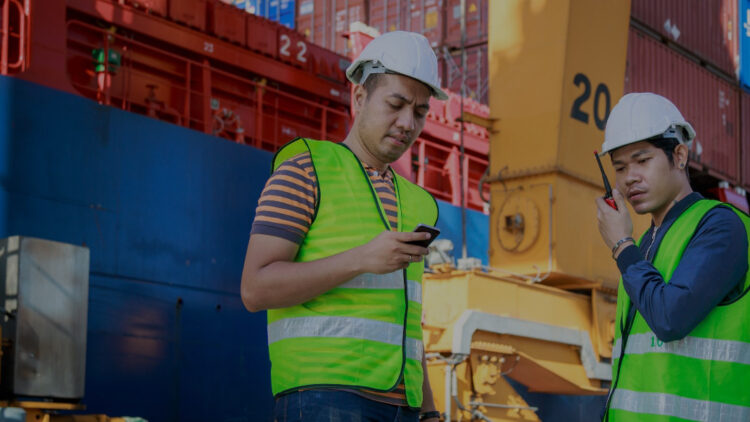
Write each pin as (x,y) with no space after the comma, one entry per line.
(624,338)
(653,238)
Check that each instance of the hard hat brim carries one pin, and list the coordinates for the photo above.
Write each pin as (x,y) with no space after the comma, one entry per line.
(354,74)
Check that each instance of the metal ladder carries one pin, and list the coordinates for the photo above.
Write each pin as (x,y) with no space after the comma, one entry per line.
(15,25)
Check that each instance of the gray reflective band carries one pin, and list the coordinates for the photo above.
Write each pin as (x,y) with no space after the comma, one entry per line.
(394,280)
(414,291)
(414,349)
(341,327)
(693,347)
(390,281)
(344,327)
(679,407)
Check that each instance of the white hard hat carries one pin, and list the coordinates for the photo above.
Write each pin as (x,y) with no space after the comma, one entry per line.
(405,53)
(643,115)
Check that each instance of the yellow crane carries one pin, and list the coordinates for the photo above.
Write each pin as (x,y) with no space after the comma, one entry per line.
(544,313)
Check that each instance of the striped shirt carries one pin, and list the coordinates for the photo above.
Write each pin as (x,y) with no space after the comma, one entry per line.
(286,209)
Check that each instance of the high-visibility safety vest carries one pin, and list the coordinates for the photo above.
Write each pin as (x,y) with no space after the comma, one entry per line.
(702,377)
(366,332)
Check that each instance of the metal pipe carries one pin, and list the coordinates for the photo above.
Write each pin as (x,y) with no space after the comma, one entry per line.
(325,20)
(5,39)
(408,15)
(385,17)
(461,161)
(423,17)
(503,406)
(448,391)
(333,25)
(346,28)
(475,413)
(398,15)
(21,36)
(538,278)
(106,69)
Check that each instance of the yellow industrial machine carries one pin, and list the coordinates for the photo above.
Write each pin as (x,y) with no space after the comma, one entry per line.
(544,313)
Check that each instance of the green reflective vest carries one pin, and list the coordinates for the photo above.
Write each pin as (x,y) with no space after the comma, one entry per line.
(366,332)
(702,377)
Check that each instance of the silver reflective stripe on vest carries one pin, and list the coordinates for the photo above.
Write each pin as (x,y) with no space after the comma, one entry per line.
(693,347)
(679,407)
(414,292)
(340,327)
(414,349)
(394,280)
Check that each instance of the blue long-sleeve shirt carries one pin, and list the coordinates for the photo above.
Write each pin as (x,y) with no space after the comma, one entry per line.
(712,267)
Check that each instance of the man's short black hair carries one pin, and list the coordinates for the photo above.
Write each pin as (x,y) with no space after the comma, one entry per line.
(667,145)
(372,82)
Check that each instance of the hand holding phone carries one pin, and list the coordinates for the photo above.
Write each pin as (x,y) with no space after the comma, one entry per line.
(434,232)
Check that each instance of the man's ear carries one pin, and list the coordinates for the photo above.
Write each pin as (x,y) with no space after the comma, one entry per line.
(359,98)
(680,155)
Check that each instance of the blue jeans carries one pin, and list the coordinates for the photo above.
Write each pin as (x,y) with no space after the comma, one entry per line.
(337,406)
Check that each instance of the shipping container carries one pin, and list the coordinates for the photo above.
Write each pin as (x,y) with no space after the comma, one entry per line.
(249,6)
(709,103)
(476,22)
(744,44)
(281,11)
(189,12)
(405,15)
(477,71)
(326,22)
(269,9)
(226,22)
(157,7)
(745,146)
(707,28)
(261,35)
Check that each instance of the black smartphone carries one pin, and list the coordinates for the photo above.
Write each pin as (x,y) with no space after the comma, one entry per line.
(433,231)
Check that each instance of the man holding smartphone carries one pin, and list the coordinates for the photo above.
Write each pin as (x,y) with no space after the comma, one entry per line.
(682,344)
(331,253)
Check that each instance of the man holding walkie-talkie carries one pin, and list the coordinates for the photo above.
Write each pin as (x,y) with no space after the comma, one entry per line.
(682,335)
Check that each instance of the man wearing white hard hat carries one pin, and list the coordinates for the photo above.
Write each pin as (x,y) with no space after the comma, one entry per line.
(682,339)
(330,254)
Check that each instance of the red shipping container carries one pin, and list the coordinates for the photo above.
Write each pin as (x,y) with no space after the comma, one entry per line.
(477,72)
(709,103)
(707,28)
(226,21)
(746,140)
(328,64)
(421,16)
(262,34)
(476,22)
(157,7)
(325,22)
(189,12)
(431,21)
(388,15)
(305,19)
(730,196)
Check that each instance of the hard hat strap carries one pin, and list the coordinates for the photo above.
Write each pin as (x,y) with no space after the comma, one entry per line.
(676,133)
(370,68)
